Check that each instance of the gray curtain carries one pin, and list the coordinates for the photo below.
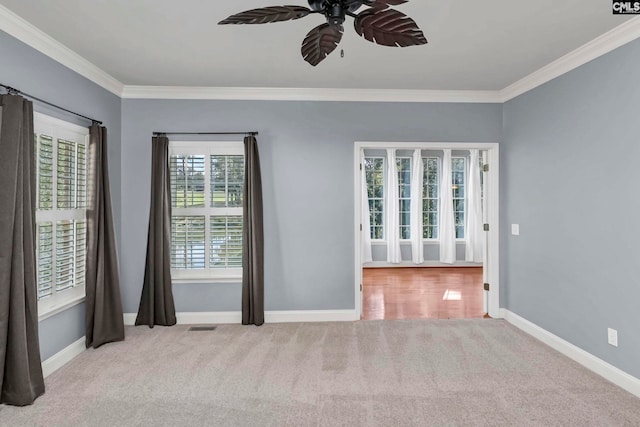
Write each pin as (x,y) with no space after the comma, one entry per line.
(252,238)
(103,320)
(156,303)
(21,380)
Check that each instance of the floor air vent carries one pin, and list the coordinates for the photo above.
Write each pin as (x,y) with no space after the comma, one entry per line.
(202,328)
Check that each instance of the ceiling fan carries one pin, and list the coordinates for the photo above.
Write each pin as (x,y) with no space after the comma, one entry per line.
(378,23)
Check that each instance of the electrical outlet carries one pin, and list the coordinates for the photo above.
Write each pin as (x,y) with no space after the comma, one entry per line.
(515,229)
(613,337)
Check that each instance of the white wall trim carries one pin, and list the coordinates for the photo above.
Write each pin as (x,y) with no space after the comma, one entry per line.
(130,319)
(611,40)
(588,360)
(235,317)
(63,357)
(311,316)
(310,94)
(17,27)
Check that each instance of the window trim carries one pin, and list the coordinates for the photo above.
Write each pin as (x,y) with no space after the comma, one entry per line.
(59,129)
(206,148)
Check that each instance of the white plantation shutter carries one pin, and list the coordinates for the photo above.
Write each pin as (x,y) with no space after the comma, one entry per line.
(81,176)
(207,190)
(65,255)
(226,241)
(187,181)
(44,150)
(66,171)
(188,242)
(227,181)
(81,251)
(61,201)
(45,259)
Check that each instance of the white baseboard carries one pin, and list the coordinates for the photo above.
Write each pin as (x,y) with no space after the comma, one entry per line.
(130,319)
(586,359)
(218,317)
(235,317)
(311,316)
(63,357)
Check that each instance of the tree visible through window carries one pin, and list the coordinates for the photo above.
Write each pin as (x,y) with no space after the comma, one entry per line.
(431,182)
(404,196)
(458,168)
(374,171)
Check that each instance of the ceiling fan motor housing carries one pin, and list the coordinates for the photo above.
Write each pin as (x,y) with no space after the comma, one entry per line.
(336,10)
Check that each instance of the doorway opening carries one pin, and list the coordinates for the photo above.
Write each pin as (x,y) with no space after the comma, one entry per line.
(451,269)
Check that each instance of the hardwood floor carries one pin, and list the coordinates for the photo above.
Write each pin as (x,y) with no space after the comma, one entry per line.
(422,293)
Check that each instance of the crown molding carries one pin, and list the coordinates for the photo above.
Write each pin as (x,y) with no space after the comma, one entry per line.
(611,40)
(22,30)
(309,94)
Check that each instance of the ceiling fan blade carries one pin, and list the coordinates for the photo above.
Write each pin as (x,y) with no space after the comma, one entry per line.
(383,4)
(320,42)
(265,15)
(388,28)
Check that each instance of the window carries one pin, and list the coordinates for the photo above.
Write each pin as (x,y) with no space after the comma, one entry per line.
(207,190)
(458,168)
(61,201)
(374,171)
(404,196)
(431,172)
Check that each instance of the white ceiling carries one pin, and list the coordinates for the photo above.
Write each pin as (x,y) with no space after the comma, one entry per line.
(473,45)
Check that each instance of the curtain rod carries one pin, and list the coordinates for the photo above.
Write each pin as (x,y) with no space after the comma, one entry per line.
(254,133)
(13,91)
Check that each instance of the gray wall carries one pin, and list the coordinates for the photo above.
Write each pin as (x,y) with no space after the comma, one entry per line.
(59,331)
(569,178)
(27,69)
(307,159)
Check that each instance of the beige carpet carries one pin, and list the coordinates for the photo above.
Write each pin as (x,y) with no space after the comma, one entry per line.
(393,373)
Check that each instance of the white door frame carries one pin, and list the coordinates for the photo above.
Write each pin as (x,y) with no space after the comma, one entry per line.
(491,263)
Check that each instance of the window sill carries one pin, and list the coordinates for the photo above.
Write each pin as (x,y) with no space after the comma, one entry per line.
(59,308)
(206,280)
